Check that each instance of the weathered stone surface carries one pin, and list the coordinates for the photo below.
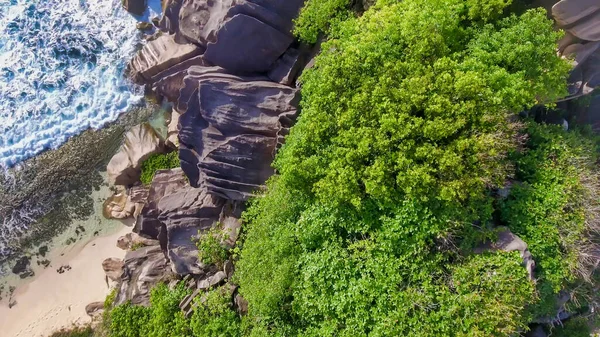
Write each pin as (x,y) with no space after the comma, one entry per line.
(140,143)
(173,130)
(158,55)
(131,240)
(509,242)
(113,268)
(164,183)
(579,17)
(137,7)
(94,309)
(241,304)
(585,77)
(213,280)
(247,45)
(118,206)
(169,22)
(143,269)
(230,129)
(185,213)
(168,83)
(287,67)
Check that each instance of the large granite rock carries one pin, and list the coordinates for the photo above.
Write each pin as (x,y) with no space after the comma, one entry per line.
(140,143)
(230,129)
(509,242)
(579,17)
(164,183)
(185,213)
(113,268)
(158,55)
(142,270)
(581,21)
(173,130)
(130,241)
(137,7)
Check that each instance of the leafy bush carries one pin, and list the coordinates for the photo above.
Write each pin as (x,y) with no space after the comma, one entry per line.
(159,161)
(317,16)
(214,316)
(553,209)
(158,320)
(575,327)
(407,121)
(210,246)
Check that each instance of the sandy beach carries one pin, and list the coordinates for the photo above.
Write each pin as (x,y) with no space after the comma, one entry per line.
(52,300)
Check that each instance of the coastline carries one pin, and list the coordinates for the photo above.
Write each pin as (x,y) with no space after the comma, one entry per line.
(53,300)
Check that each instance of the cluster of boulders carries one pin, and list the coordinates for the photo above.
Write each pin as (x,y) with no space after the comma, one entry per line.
(229,70)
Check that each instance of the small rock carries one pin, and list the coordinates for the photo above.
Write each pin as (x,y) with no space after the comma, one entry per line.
(94,309)
(241,304)
(212,281)
(137,7)
(144,26)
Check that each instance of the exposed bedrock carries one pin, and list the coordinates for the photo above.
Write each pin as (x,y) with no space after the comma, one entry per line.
(140,143)
(137,7)
(581,21)
(142,270)
(230,129)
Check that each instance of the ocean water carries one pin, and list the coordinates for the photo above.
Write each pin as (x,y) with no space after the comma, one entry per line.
(62,66)
(61,71)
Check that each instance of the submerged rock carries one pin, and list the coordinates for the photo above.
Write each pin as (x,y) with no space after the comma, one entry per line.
(140,143)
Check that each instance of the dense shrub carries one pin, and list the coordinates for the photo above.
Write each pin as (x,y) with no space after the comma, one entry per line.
(318,15)
(214,316)
(159,161)
(383,185)
(211,249)
(553,208)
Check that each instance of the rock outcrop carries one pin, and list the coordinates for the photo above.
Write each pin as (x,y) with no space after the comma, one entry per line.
(113,268)
(94,309)
(142,270)
(164,183)
(118,206)
(581,20)
(140,143)
(230,130)
(132,241)
(137,7)
(159,55)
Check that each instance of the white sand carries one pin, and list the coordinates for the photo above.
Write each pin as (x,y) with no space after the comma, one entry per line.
(52,300)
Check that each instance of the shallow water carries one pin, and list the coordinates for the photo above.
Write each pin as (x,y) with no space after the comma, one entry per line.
(61,71)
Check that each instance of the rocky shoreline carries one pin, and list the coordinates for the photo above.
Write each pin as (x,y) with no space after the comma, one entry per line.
(229,72)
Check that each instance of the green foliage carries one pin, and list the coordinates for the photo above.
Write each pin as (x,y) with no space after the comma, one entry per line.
(158,320)
(486,10)
(211,249)
(551,208)
(85,331)
(214,316)
(406,125)
(575,327)
(159,161)
(317,16)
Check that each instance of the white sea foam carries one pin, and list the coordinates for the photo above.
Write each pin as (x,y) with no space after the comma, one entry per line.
(61,71)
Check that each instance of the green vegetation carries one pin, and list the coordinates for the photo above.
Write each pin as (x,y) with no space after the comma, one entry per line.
(384,185)
(318,16)
(577,327)
(211,249)
(212,316)
(85,331)
(387,183)
(159,161)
